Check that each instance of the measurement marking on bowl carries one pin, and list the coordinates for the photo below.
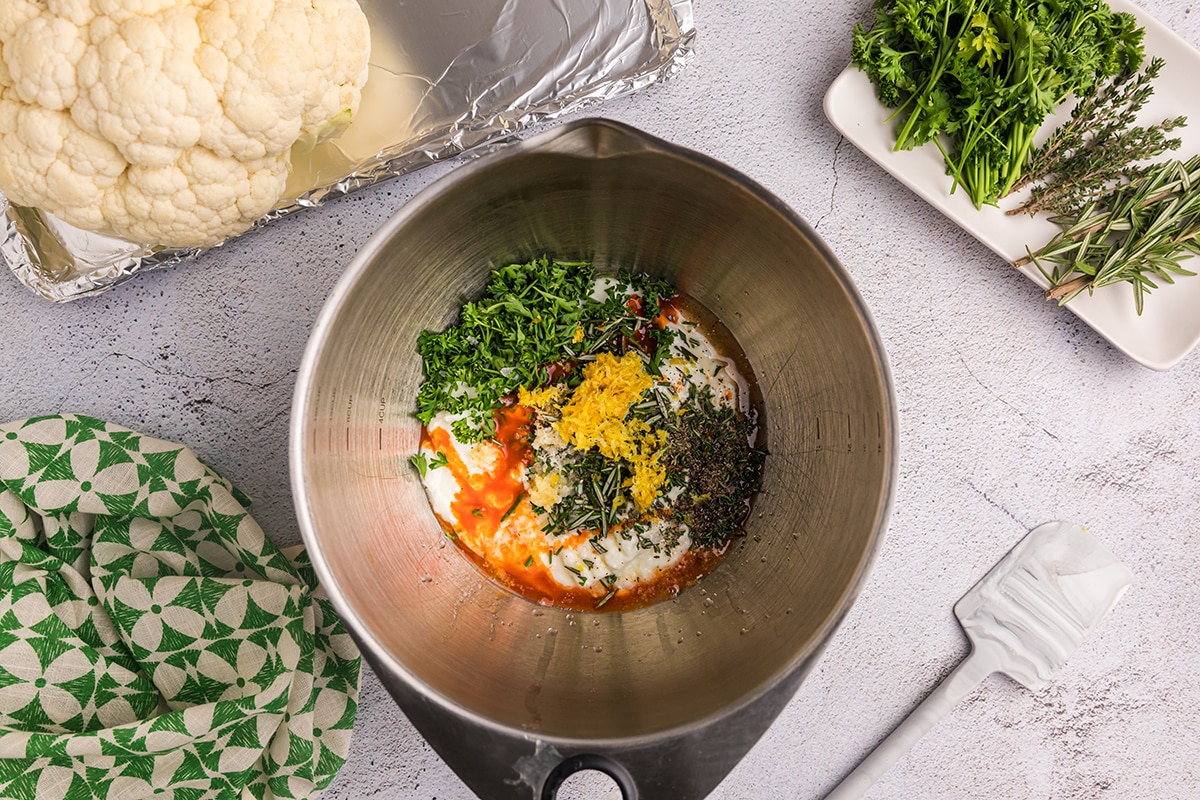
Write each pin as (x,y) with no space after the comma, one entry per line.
(380,416)
(829,436)
(332,405)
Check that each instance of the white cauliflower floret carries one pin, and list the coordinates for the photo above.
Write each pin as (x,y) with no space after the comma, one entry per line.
(170,122)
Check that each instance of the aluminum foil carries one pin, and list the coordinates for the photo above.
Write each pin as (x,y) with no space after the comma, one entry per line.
(446,78)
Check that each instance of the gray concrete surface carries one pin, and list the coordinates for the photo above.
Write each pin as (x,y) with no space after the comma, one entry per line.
(1012,413)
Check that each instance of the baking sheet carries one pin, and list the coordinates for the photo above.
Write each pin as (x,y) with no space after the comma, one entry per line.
(446,78)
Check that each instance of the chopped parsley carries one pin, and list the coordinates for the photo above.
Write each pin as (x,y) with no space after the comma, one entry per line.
(534,321)
(424,464)
(419,461)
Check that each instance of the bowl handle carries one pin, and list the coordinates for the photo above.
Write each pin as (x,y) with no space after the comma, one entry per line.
(570,766)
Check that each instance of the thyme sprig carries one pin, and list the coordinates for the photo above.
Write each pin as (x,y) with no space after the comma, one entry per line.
(1137,233)
(1098,147)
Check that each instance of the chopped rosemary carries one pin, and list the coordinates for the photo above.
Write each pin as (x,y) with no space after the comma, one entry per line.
(598,503)
(579,576)
(513,507)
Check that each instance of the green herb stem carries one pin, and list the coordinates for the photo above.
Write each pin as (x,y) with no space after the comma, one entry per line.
(1098,148)
(1139,234)
(979,77)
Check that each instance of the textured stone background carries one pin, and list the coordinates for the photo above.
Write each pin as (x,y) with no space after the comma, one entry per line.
(1012,413)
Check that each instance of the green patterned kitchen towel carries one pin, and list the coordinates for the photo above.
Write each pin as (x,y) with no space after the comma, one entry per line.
(153,642)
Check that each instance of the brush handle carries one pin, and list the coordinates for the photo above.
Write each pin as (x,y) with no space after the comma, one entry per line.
(957,685)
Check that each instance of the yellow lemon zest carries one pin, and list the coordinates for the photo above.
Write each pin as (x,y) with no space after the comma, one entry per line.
(595,416)
(537,398)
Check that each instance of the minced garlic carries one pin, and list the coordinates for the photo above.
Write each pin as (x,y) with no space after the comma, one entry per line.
(545,489)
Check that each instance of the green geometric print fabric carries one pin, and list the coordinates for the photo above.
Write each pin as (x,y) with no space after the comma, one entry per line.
(153,642)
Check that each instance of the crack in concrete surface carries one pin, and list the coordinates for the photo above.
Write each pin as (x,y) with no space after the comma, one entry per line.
(833,191)
(997,505)
(992,392)
(180,374)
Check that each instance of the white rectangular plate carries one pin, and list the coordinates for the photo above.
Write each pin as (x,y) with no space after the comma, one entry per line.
(1169,326)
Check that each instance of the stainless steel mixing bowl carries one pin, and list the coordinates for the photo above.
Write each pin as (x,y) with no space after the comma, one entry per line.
(668,698)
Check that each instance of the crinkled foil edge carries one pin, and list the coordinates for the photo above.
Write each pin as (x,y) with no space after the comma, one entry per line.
(674,25)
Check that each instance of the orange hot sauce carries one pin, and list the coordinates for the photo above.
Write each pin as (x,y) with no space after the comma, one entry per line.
(484,498)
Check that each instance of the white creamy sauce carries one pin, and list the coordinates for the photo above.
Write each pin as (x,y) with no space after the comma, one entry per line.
(695,360)
(631,560)
(440,484)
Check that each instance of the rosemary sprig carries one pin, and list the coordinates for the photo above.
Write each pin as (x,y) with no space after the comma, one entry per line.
(1137,233)
(611,594)
(516,503)
(1098,147)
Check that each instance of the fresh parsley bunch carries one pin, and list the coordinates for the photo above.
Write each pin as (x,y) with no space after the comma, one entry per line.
(978,77)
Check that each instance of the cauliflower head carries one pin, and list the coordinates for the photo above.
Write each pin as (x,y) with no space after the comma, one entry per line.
(169,122)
